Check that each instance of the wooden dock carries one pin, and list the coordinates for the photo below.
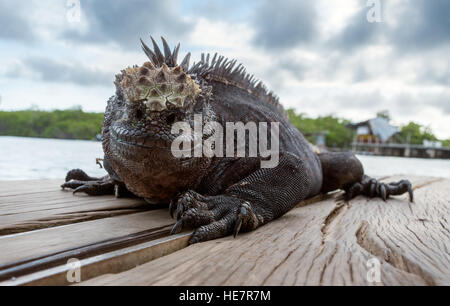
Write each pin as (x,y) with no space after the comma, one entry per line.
(400,149)
(320,242)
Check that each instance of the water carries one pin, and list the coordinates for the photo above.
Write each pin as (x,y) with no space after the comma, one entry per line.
(24,158)
(387,165)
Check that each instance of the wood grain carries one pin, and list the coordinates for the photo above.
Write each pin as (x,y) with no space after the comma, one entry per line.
(326,243)
(42,226)
(110,262)
(31,205)
(34,245)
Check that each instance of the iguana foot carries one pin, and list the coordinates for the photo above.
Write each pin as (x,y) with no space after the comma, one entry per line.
(78,180)
(90,187)
(212,216)
(80,175)
(372,188)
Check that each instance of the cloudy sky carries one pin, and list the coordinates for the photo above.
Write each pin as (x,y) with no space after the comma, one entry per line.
(319,56)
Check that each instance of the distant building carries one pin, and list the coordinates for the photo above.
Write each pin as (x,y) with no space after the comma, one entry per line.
(377,137)
(432,144)
(376,130)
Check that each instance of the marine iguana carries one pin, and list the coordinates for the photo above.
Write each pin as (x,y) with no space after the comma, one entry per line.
(216,196)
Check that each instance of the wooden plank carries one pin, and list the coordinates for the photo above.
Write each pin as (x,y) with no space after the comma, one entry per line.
(327,243)
(111,262)
(39,256)
(8,188)
(80,239)
(43,226)
(31,205)
(24,267)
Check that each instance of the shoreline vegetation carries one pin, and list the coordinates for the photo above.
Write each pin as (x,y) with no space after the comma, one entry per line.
(61,124)
(74,123)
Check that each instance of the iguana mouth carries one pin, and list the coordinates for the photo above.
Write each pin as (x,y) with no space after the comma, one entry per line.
(127,139)
(138,138)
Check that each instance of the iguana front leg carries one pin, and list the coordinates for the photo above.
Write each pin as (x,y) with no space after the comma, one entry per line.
(78,180)
(255,200)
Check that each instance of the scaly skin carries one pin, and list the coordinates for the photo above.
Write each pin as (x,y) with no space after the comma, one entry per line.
(216,196)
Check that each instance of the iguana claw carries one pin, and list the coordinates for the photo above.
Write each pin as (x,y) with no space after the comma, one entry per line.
(177,227)
(172,207)
(95,188)
(79,189)
(382,191)
(212,217)
(237,225)
(373,188)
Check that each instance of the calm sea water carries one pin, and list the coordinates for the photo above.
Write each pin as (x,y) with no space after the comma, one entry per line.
(24,158)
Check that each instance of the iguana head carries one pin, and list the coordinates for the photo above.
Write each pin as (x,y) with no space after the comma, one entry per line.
(137,130)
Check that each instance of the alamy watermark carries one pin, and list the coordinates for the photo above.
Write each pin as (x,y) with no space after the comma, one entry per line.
(73,274)
(374,13)
(73,14)
(374,272)
(208,140)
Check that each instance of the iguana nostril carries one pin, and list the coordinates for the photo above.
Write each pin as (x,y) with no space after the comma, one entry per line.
(171,118)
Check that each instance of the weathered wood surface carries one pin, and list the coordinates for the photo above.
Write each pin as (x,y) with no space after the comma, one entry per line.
(31,205)
(36,244)
(42,226)
(326,243)
(110,262)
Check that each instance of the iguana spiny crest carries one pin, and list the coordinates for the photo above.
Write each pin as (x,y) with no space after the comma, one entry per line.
(158,88)
(163,84)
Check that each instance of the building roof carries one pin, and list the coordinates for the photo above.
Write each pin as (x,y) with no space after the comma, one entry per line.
(379,127)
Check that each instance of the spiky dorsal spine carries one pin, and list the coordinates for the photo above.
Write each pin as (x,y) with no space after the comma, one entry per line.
(219,69)
(169,58)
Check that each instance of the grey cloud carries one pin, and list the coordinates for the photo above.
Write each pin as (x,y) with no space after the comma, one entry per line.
(372,101)
(294,67)
(327,102)
(49,70)
(279,71)
(14,25)
(404,103)
(445,104)
(359,32)
(223,10)
(285,24)
(360,74)
(442,101)
(14,71)
(424,24)
(431,76)
(409,104)
(367,100)
(124,22)
(420,25)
